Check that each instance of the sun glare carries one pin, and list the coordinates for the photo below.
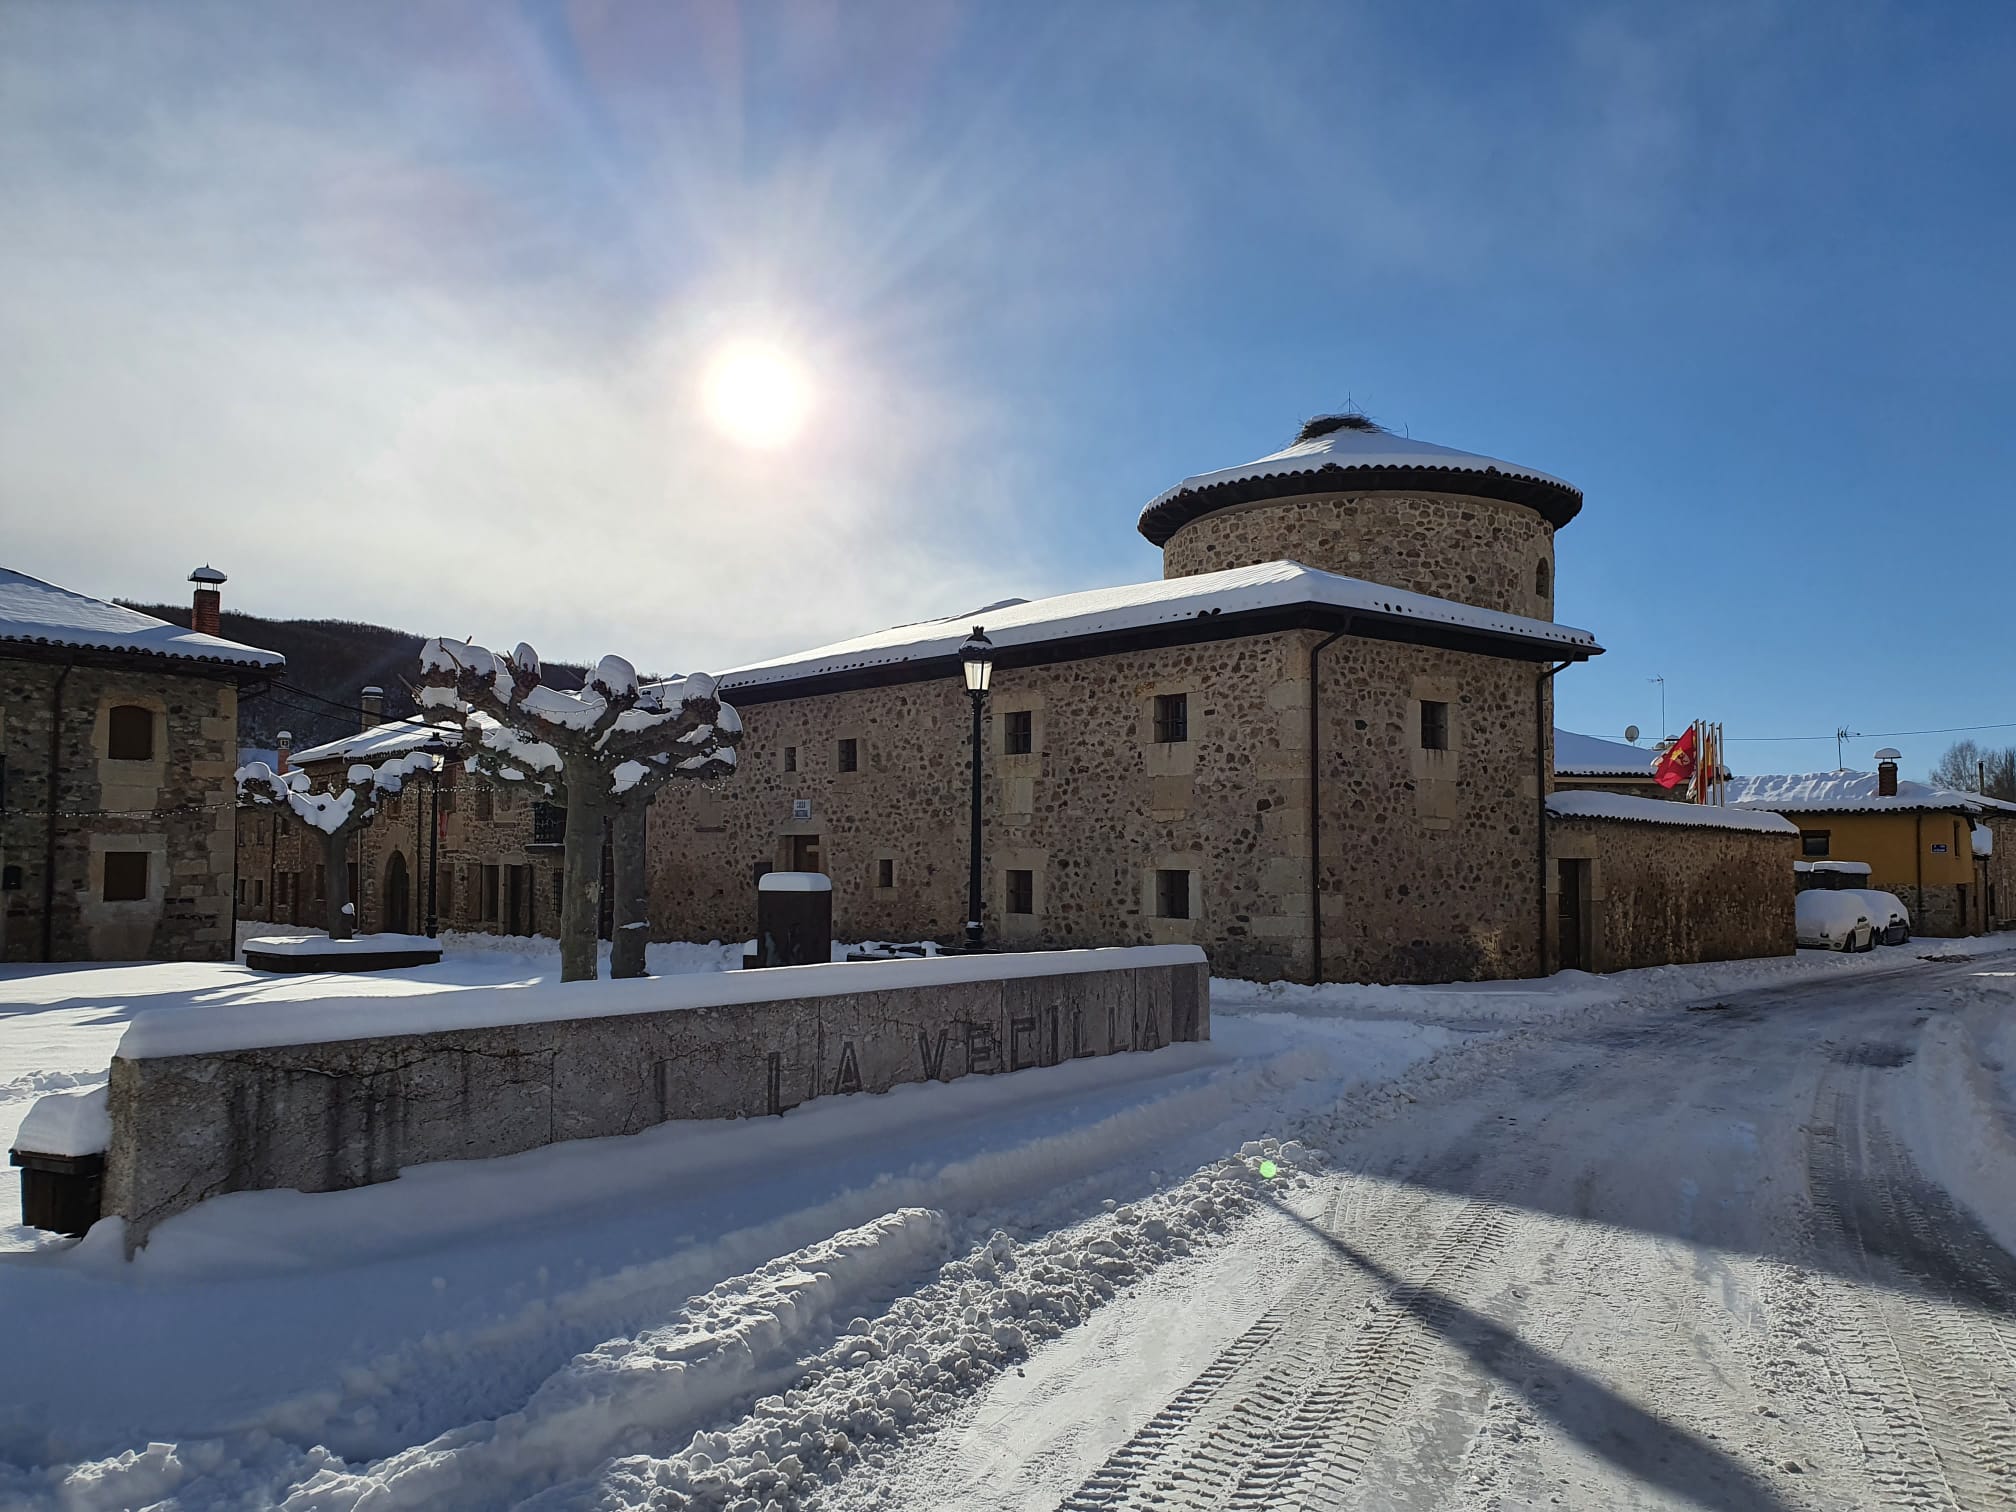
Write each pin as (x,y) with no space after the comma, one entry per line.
(756,395)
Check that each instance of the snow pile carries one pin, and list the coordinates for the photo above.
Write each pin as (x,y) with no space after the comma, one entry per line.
(213,1028)
(1964,1134)
(1635,810)
(321,944)
(1830,919)
(67,1123)
(1984,840)
(392,739)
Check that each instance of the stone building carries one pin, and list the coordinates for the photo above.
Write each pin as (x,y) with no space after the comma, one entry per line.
(118,734)
(1585,763)
(1319,746)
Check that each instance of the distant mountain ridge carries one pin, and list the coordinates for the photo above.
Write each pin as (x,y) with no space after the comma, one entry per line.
(329,662)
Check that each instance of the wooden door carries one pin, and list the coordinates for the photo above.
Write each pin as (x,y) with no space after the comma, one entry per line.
(1572,949)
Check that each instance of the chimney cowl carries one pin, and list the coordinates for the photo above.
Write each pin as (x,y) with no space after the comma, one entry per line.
(206,613)
(1886,773)
(284,745)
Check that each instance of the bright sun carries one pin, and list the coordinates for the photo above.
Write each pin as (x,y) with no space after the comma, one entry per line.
(757,395)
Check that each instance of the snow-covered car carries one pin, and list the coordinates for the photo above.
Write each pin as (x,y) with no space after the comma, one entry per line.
(1887,913)
(1834,921)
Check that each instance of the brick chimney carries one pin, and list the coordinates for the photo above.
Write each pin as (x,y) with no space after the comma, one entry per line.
(1886,772)
(372,700)
(285,741)
(206,617)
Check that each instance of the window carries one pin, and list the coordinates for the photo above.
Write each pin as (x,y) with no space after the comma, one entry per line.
(126,877)
(790,758)
(1018,733)
(1814,842)
(486,802)
(490,893)
(1172,718)
(1172,894)
(129,734)
(1543,579)
(1434,725)
(549,823)
(241,892)
(1021,892)
(850,756)
(258,887)
(321,884)
(885,872)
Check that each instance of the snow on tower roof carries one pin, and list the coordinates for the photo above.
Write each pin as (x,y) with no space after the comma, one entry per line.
(1068,617)
(1357,454)
(1587,756)
(1845,793)
(41,614)
(390,739)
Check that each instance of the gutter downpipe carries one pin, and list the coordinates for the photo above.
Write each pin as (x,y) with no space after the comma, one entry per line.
(55,794)
(1316,805)
(1541,776)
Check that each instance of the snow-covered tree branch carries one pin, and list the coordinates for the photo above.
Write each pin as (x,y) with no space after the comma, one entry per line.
(608,747)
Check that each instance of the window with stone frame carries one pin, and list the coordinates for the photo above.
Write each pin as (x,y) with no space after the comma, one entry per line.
(549,823)
(1021,892)
(492,889)
(1543,579)
(1814,842)
(790,758)
(1434,725)
(126,877)
(1172,894)
(848,756)
(1018,732)
(129,733)
(885,872)
(1172,718)
(486,802)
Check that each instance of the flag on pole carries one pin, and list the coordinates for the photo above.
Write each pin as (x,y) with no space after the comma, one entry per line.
(1676,767)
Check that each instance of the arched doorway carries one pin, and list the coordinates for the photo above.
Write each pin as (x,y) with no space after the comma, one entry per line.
(397,895)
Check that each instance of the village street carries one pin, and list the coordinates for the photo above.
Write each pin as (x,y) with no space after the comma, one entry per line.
(1698,1258)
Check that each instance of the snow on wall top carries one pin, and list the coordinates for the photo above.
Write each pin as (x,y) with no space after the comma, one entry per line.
(1133,606)
(1587,756)
(45,615)
(389,739)
(1663,811)
(211,1028)
(1844,793)
(67,1123)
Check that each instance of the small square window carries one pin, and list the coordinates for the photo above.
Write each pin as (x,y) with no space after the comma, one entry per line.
(1434,725)
(126,877)
(1018,732)
(1172,894)
(1172,718)
(885,872)
(1021,892)
(850,756)
(129,733)
(790,758)
(1814,842)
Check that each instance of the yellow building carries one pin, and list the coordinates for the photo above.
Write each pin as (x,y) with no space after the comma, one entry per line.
(1917,840)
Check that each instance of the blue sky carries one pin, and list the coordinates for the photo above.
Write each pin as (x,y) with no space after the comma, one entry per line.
(399,313)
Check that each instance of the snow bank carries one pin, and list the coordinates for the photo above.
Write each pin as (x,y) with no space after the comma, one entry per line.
(321,944)
(211,1028)
(67,1123)
(794,882)
(1964,1130)
(1618,806)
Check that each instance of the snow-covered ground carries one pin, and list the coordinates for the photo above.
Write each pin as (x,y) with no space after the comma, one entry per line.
(739,1313)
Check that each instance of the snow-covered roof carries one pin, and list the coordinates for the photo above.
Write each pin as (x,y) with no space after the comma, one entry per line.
(1587,756)
(391,739)
(43,614)
(1358,456)
(1844,793)
(1165,601)
(1633,810)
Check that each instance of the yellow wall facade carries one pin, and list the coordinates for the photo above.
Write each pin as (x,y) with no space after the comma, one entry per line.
(1900,848)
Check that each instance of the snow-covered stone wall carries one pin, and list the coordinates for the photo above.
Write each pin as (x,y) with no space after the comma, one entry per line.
(1662,894)
(221,1101)
(1475,551)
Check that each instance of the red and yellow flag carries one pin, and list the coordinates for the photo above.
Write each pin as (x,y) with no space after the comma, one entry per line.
(1676,767)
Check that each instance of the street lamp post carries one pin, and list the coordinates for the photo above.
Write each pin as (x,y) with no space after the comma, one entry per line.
(977,656)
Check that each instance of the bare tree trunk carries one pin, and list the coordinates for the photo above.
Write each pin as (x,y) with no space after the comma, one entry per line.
(581,876)
(336,867)
(633,891)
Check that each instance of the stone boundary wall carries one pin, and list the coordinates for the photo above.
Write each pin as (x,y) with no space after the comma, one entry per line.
(336,1113)
(1661,894)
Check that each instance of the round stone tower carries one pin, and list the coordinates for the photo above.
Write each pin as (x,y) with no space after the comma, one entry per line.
(1353,499)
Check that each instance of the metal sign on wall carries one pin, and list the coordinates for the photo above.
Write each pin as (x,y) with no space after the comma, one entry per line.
(801,808)
(1939,850)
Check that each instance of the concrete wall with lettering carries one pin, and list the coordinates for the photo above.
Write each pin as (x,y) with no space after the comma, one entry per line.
(233,1116)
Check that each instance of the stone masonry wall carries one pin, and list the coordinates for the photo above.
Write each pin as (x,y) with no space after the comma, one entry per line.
(325,1116)
(1663,894)
(1430,869)
(175,807)
(1475,551)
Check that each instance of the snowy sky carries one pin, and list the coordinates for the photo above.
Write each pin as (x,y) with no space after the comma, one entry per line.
(398,313)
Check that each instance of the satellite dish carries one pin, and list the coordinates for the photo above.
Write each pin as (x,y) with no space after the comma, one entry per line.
(1631,733)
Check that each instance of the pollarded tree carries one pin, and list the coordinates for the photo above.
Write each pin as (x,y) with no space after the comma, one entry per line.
(607,748)
(333,815)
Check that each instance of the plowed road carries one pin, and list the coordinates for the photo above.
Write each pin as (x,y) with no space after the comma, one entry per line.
(1687,1261)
